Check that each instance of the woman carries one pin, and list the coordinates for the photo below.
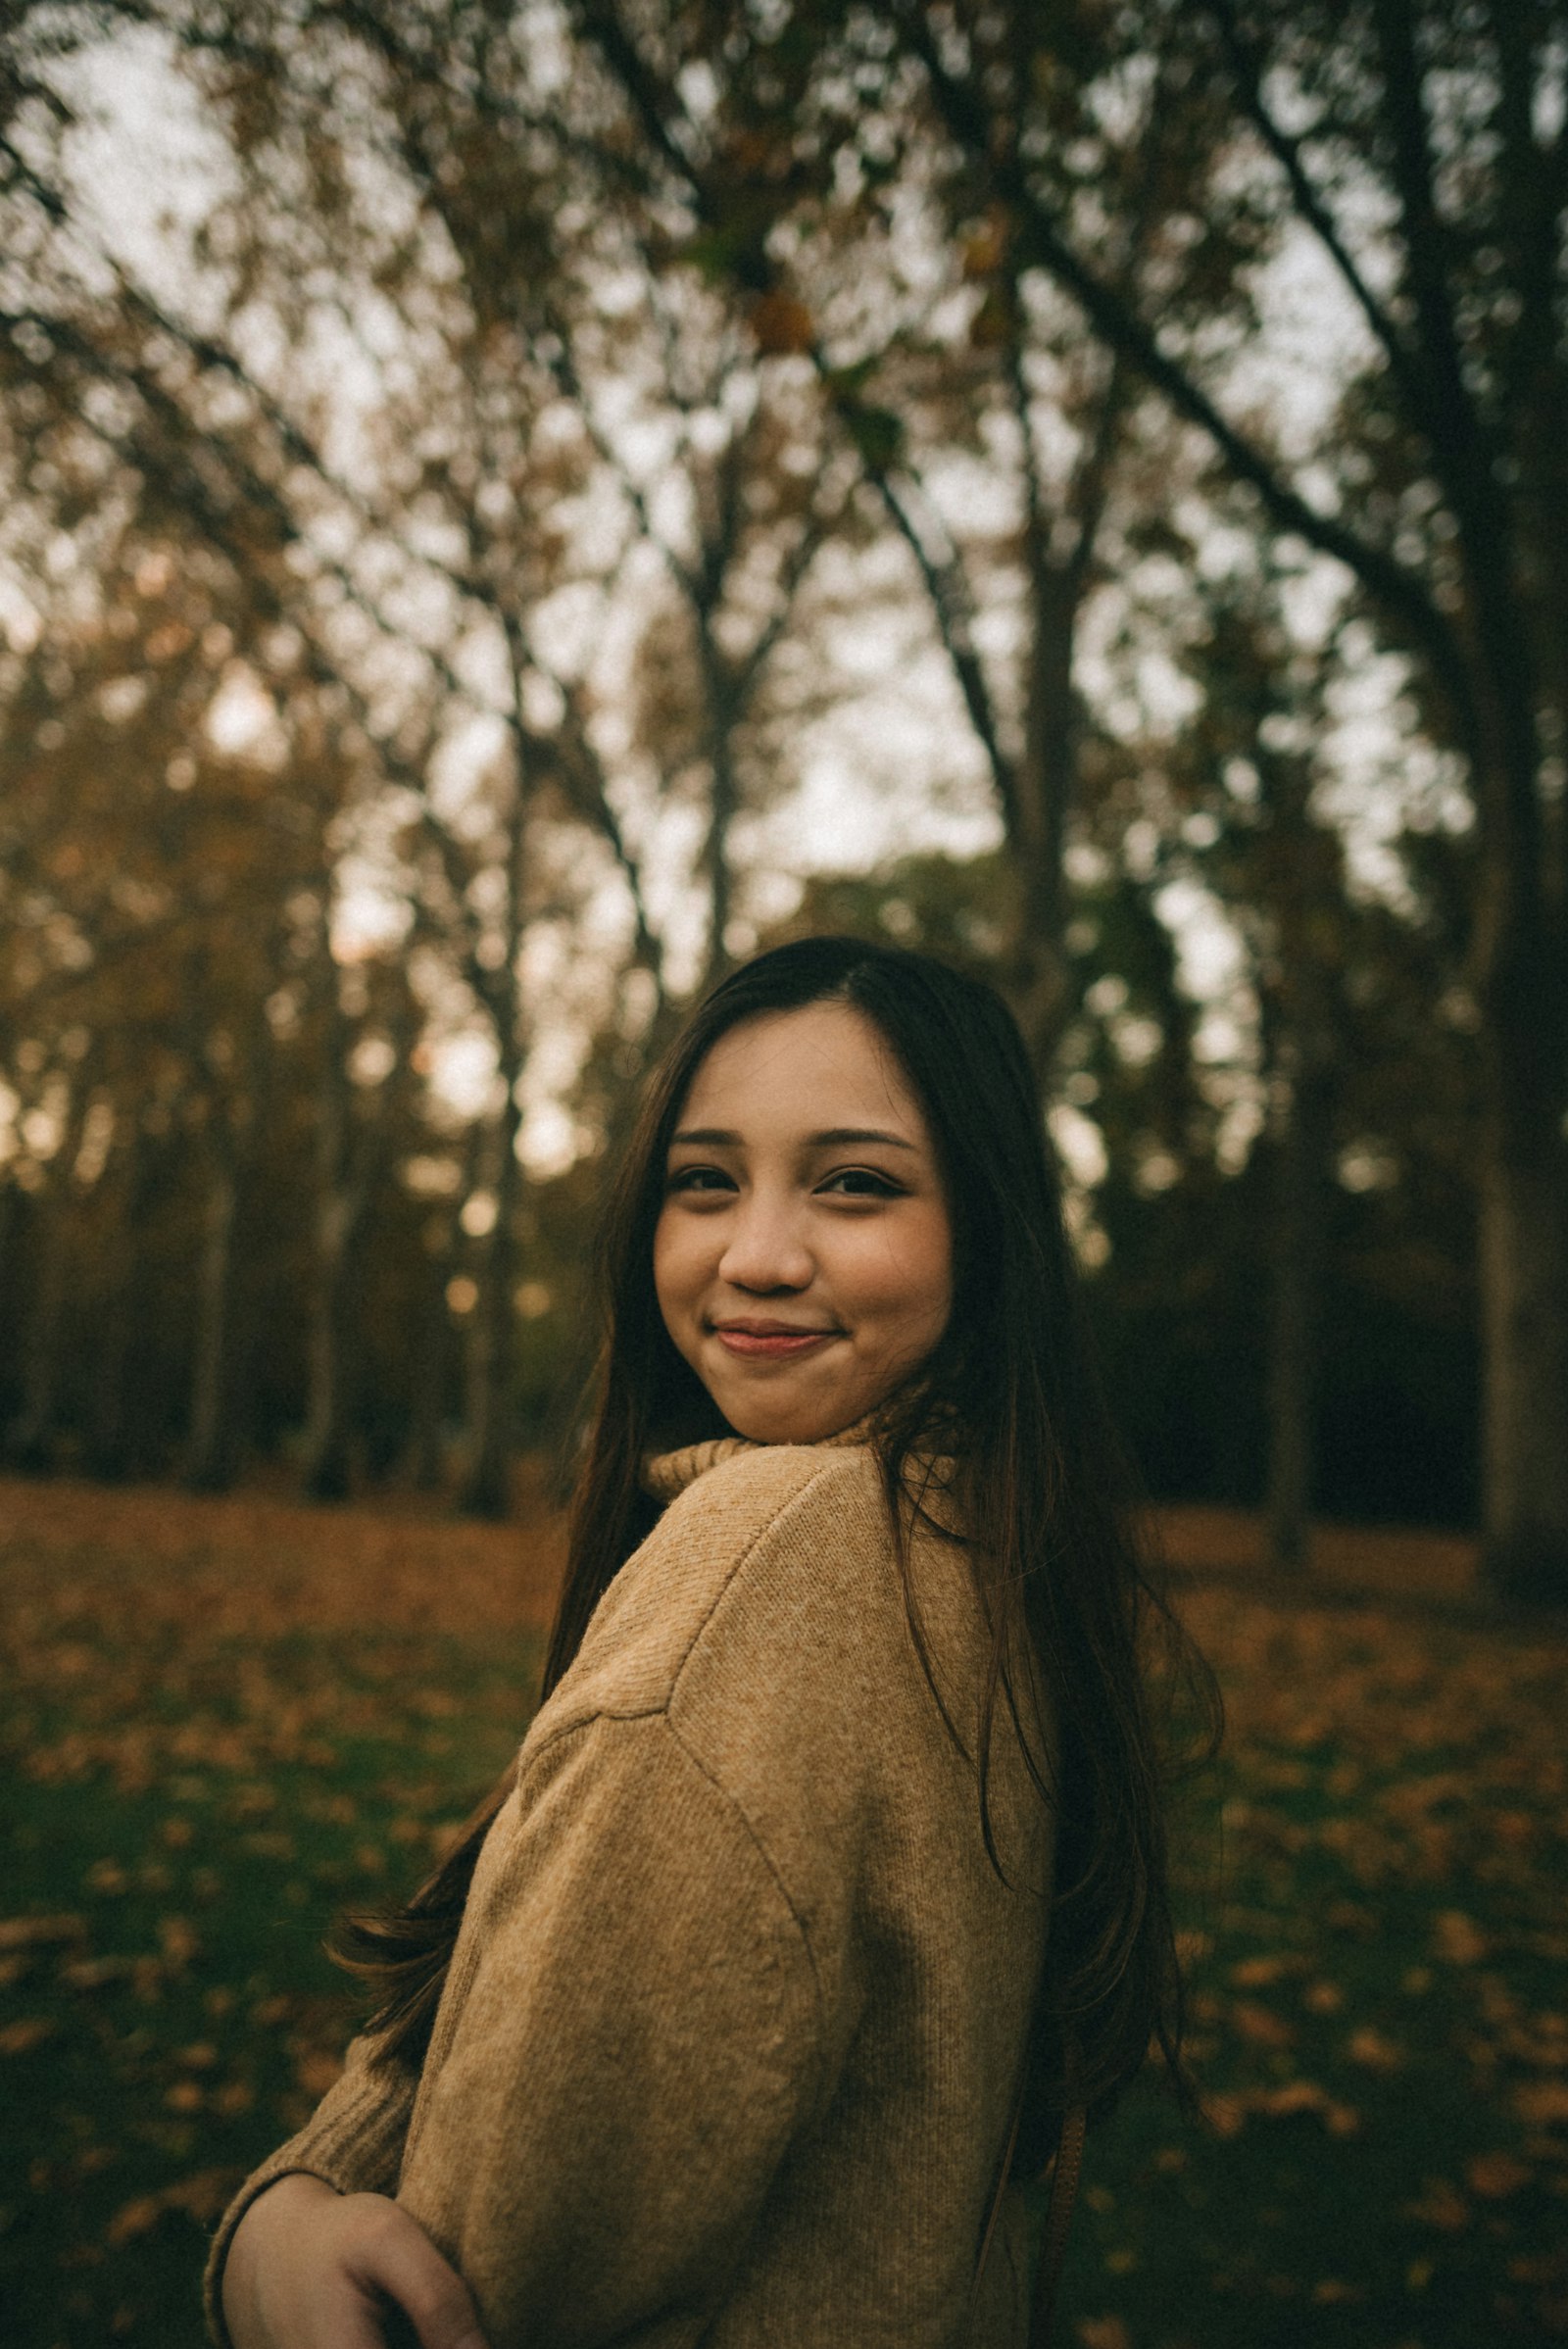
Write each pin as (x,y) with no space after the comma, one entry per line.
(831,1871)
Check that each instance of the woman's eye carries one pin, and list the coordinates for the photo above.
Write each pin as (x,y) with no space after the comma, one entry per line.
(860,1181)
(700,1178)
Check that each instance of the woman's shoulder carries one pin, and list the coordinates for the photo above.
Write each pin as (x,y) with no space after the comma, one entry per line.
(778,1494)
(757,1544)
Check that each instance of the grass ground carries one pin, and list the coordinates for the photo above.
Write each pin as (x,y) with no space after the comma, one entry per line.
(225,1720)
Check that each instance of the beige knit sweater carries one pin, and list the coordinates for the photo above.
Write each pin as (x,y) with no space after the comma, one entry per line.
(729,2043)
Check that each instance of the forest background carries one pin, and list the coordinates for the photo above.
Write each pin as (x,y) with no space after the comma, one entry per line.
(510,506)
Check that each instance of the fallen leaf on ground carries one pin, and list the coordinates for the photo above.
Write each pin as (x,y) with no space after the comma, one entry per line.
(1540,2103)
(200,2197)
(32,1932)
(1439,2206)
(1495,2175)
(1256,1973)
(1458,1938)
(1259,2025)
(1369,2047)
(19,2037)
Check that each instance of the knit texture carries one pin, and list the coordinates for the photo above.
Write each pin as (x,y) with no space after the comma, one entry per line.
(729,2044)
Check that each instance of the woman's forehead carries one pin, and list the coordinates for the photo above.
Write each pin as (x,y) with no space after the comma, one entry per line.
(823,1066)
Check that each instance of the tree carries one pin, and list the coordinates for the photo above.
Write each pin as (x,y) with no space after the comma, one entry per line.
(1251,762)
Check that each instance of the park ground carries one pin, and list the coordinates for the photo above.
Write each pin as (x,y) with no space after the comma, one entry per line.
(225,1719)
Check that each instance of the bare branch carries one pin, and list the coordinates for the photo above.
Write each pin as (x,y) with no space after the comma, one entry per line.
(949,598)
(1246,65)
(1400,588)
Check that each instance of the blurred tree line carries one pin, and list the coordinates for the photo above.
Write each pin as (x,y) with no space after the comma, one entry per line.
(436,549)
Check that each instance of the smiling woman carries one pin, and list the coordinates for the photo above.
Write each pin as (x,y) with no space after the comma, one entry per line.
(829,1881)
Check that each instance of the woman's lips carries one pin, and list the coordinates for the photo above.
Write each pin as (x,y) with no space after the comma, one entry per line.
(772,1345)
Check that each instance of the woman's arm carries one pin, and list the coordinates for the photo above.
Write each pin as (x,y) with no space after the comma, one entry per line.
(632,2040)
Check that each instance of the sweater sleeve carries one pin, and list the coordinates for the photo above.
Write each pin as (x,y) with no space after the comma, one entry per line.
(354,2140)
(633,2040)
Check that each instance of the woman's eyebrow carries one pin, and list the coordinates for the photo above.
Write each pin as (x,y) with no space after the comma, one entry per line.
(831,1138)
(836,1136)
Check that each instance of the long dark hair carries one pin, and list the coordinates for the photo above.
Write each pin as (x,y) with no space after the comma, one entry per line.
(1044,1501)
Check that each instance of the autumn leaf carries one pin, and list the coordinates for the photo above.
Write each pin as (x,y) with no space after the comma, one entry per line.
(37,1932)
(1104,2333)
(1257,1972)
(1369,2047)
(22,2036)
(1259,2025)
(781,325)
(1439,2205)
(132,2219)
(1458,1938)
(201,2196)
(1306,2096)
(206,2193)
(1495,2175)
(1542,2104)
(985,250)
(96,1974)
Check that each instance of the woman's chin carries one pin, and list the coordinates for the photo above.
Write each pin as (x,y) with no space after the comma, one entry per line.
(772,1420)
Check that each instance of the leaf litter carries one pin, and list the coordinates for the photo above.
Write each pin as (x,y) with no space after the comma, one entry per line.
(225,1721)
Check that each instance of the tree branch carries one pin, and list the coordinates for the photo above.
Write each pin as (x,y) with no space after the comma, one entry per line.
(948,593)
(1246,65)
(1399,590)
(1460,443)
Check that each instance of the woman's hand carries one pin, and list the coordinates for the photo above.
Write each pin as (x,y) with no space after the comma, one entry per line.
(313,2269)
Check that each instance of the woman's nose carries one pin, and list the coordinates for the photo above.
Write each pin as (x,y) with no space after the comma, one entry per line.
(765,1247)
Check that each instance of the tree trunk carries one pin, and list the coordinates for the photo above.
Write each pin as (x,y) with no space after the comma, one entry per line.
(340,1202)
(487,1492)
(110,1438)
(721,714)
(327,1466)
(433,1353)
(431,1357)
(32,1436)
(1524,1325)
(1045,785)
(1297,1238)
(716,852)
(1045,782)
(1521,957)
(210,1456)
(12,1212)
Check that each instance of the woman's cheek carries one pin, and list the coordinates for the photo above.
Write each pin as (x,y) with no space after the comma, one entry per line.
(671,1274)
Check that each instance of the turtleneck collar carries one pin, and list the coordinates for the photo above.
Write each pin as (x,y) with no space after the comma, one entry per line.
(667,1474)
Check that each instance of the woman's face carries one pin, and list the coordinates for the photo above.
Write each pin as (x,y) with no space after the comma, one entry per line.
(802,1256)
